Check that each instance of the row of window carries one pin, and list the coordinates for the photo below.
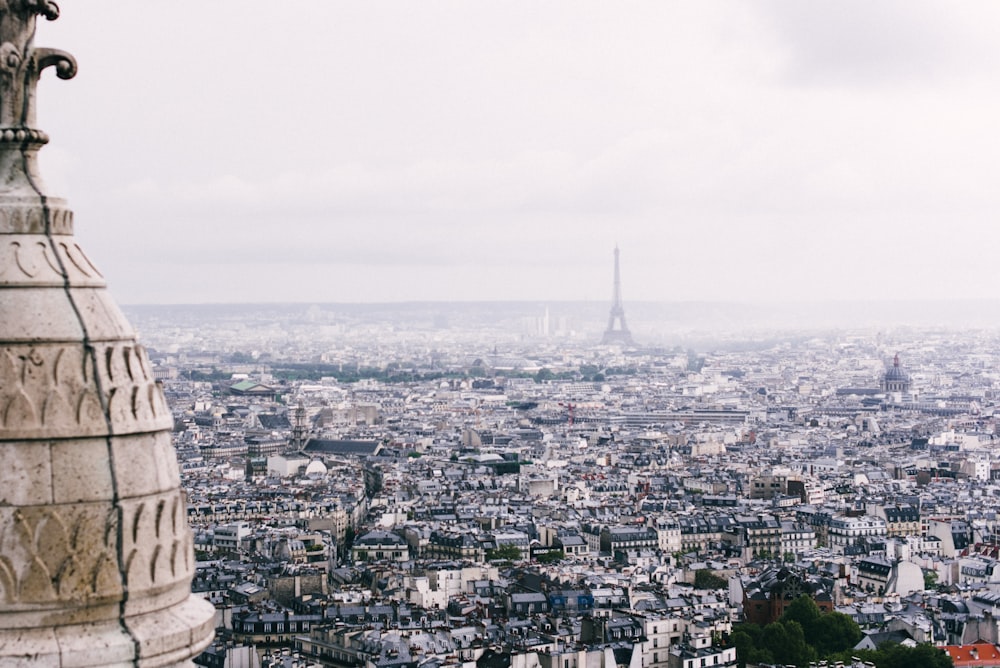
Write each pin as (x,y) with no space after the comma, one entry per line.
(278,627)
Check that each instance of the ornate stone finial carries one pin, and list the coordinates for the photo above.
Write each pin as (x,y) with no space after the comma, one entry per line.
(21,65)
(96,556)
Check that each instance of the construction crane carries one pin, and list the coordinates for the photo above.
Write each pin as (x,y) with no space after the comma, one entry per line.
(569,411)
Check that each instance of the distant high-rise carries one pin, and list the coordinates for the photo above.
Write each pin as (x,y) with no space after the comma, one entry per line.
(617,331)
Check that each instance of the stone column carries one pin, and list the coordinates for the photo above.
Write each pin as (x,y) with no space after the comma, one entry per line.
(96,557)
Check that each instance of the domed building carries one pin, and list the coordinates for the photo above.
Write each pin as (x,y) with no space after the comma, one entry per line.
(316,469)
(896,379)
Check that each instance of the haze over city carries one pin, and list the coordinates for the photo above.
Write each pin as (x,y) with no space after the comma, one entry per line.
(380,151)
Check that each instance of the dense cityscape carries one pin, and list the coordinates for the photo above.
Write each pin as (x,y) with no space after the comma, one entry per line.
(782,454)
(490,485)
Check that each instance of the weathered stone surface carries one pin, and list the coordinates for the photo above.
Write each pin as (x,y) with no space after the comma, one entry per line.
(55,390)
(31,261)
(24,215)
(90,499)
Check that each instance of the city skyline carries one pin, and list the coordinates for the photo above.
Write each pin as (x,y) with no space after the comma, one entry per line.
(770,151)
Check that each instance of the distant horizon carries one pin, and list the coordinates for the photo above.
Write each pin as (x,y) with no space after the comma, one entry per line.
(306,302)
(647,320)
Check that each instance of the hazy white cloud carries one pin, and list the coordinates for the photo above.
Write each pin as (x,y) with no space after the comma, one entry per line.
(435,150)
(884,44)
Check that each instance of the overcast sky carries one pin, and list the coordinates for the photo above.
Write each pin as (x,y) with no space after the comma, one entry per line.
(240,151)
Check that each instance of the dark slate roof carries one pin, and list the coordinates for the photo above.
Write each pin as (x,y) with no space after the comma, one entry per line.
(272,421)
(339,447)
(380,538)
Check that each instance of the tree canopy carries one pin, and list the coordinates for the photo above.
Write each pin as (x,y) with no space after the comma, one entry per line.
(893,655)
(504,552)
(803,634)
(706,579)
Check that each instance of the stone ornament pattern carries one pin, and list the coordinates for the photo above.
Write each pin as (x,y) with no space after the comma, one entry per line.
(21,64)
(32,219)
(30,260)
(55,554)
(158,551)
(50,391)
(69,554)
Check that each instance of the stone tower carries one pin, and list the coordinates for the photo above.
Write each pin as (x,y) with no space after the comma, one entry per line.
(617,331)
(96,556)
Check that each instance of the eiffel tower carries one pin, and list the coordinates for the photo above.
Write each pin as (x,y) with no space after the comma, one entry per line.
(617,331)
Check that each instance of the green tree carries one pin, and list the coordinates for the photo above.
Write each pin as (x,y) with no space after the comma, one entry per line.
(345,547)
(835,632)
(705,579)
(930,580)
(543,375)
(828,633)
(551,557)
(748,640)
(804,611)
(892,655)
(803,634)
(504,553)
(745,644)
(787,643)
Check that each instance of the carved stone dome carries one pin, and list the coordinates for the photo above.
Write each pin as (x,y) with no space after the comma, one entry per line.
(96,557)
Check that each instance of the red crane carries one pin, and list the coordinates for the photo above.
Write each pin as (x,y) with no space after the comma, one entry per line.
(569,411)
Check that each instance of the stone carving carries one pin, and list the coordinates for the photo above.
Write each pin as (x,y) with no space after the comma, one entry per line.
(47,389)
(159,549)
(21,64)
(46,8)
(32,220)
(66,554)
(33,260)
